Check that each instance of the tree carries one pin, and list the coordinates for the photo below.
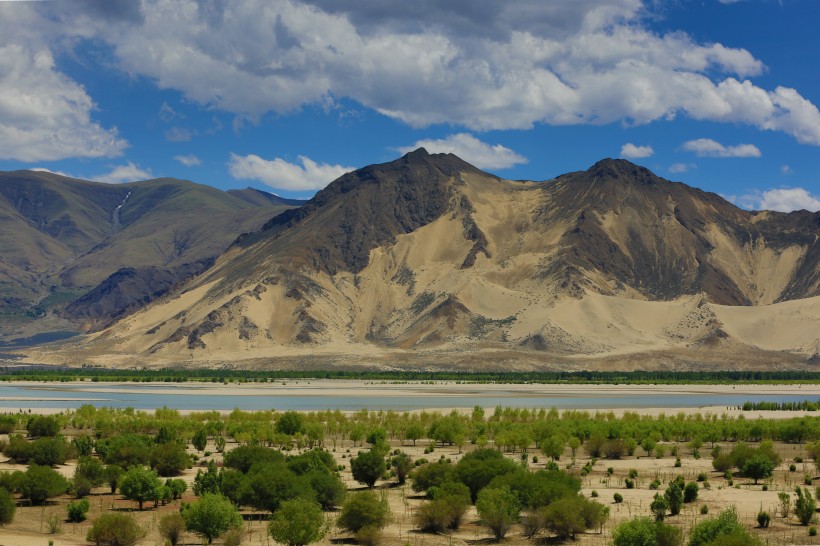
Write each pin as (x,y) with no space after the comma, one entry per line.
(211,516)
(553,447)
(298,522)
(113,475)
(805,506)
(364,509)
(368,466)
(171,527)
(785,503)
(176,488)
(270,485)
(690,492)
(39,483)
(498,509)
(169,459)
(7,507)
(200,439)
(674,497)
(758,467)
(402,463)
(645,532)
(43,425)
(115,529)
(290,423)
(415,431)
(141,484)
(659,506)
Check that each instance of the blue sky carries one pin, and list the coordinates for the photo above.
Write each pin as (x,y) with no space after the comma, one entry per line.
(287,95)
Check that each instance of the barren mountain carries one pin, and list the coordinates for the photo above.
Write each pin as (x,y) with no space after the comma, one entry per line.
(427,261)
(76,252)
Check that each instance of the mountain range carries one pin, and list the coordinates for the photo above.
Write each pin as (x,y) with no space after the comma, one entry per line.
(423,262)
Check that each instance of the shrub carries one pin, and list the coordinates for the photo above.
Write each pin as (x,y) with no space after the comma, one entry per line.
(298,522)
(630,484)
(368,466)
(704,509)
(702,477)
(804,506)
(7,507)
(115,529)
(708,530)
(690,492)
(233,537)
(369,536)
(169,459)
(645,532)
(812,531)
(763,519)
(171,527)
(674,496)
(364,509)
(77,510)
(211,516)
(43,425)
(618,498)
(659,506)
(569,516)
(40,483)
(785,504)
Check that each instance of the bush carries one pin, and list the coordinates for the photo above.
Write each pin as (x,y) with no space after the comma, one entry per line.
(368,466)
(433,516)
(233,537)
(702,477)
(43,425)
(171,527)
(40,483)
(805,506)
(211,516)
(290,423)
(704,509)
(364,509)
(569,516)
(115,529)
(674,496)
(645,532)
(298,522)
(812,531)
(7,507)
(659,506)
(77,510)
(369,536)
(710,529)
(763,519)
(169,459)
(431,475)
(457,498)
(690,492)
(498,509)
(618,498)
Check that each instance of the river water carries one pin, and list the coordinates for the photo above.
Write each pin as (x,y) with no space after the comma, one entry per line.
(353,395)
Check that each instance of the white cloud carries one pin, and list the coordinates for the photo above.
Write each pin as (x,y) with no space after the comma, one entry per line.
(281,174)
(124,173)
(786,169)
(482,64)
(789,199)
(44,170)
(471,150)
(631,151)
(44,114)
(678,168)
(706,147)
(189,160)
(178,134)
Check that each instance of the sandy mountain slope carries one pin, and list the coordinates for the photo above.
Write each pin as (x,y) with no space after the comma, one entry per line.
(67,244)
(427,259)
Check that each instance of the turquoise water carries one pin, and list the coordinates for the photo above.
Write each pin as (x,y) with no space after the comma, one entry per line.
(138,396)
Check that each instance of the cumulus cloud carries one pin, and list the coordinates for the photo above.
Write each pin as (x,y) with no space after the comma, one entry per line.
(129,172)
(471,150)
(678,168)
(189,160)
(706,147)
(481,64)
(44,114)
(631,151)
(789,199)
(282,174)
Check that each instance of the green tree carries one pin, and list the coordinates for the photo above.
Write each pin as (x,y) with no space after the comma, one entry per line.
(43,425)
(211,516)
(7,507)
(270,485)
(414,431)
(298,522)
(113,475)
(758,467)
(805,506)
(77,510)
(200,439)
(690,492)
(115,529)
(659,506)
(209,481)
(368,466)
(553,447)
(169,459)
(40,483)
(498,509)
(674,497)
(402,463)
(290,423)
(364,509)
(141,484)
(645,532)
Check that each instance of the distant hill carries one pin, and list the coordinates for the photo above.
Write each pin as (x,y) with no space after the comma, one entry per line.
(65,242)
(428,261)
